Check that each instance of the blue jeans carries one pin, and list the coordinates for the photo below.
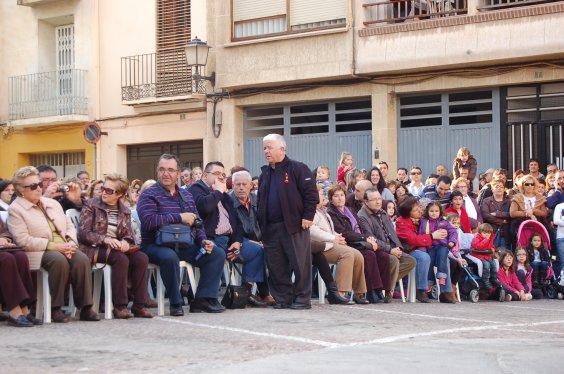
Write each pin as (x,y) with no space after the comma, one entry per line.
(251,256)
(211,268)
(560,255)
(421,268)
(438,255)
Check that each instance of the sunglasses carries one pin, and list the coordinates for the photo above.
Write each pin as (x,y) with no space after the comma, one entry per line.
(415,173)
(529,184)
(108,191)
(33,186)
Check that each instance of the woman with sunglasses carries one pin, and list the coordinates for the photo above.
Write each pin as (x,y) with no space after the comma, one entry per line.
(527,204)
(106,237)
(39,225)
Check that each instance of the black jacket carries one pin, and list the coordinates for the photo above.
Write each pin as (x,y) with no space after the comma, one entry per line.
(344,227)
(297,191)
(206,202)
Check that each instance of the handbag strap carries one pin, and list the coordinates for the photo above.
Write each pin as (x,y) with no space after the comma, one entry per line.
(231,268)
(40,206)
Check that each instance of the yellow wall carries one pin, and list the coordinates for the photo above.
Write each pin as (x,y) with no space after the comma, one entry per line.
(17,146)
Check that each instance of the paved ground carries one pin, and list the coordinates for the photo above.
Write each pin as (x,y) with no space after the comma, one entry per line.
(488,337)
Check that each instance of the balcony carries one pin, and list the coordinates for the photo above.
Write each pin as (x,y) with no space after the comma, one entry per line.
(54,97)
(35,2)
(158,77)
(397,11)
(503,4)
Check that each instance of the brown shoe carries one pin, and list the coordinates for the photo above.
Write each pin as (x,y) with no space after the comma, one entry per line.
(88,314)
(141,312)
(445,297)
(151,303)
(422,297)
(58,316)
(122,313)
(389,297)
(269,300)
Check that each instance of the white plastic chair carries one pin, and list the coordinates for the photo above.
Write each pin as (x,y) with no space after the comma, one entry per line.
(98,271)
(411,289)
(160,286)
(43,306)
(4,216)
(74,216)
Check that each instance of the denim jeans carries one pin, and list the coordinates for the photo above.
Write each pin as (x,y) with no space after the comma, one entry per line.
(438,255)
(251,256)
(421,268)
(559,255)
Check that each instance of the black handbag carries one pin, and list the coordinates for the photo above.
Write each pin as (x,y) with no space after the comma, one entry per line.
(236,297)
(177,236)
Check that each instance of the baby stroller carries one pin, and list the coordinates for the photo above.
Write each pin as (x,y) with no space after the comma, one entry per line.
(550,286)
(469,285)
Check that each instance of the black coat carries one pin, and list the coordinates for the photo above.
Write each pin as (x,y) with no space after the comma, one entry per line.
(344,227)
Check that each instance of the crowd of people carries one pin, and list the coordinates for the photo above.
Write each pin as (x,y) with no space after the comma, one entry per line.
(374,227)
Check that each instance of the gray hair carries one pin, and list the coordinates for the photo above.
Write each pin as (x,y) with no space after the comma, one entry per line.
(279,139)
(168,156)
(243,174)
(22,173)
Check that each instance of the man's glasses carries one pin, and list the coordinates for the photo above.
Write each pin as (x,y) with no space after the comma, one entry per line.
(169,170)
(33,186)
(108,191)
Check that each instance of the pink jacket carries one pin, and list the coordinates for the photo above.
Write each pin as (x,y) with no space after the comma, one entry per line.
(510,281)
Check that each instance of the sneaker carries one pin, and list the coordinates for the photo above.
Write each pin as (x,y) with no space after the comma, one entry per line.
(508,297)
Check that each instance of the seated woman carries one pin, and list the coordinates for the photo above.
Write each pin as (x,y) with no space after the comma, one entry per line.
(376,263)
(6,193)
(94,189)
(39,225)
(528,204)
(105,236)
(378,182)
(17,294)
(349,261)
(495,210)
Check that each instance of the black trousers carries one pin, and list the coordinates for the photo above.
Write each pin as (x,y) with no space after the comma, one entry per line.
(286,254)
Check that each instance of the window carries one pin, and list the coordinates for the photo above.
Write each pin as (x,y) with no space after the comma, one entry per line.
(66,164)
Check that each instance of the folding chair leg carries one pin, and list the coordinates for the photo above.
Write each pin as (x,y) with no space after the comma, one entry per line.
(321,289)
(108,292)
(400,281)
(160,293)
(411,286)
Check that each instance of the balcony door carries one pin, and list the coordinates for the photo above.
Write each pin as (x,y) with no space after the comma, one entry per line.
(65,66)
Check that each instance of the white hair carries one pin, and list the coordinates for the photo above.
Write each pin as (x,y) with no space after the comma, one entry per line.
(242,174)
(277,138)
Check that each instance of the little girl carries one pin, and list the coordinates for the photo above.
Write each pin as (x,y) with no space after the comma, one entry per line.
(345,165)
(484,250)
(465,158)
(391,210)
(455,256)
(539,257)
(514,290)
(432,221)
(524,273)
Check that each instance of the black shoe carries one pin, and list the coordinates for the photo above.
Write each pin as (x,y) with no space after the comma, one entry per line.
(373,297)
(281,306)
(4,316)
(333,295)
(300,306)
(21,321)
(176,311)
(200,305)
(88,314)
(254,301)
(360,300)
(31,318)
(216,304)
(501,295)
(58,316)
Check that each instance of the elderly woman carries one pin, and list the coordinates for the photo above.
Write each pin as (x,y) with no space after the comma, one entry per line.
(6,193)
(376,263)
(94,189)
(105,236)
(407,228)
(527,204)
(470,203)
(495,210)
(39,225)
(349,261)
(16,286)
(378,182)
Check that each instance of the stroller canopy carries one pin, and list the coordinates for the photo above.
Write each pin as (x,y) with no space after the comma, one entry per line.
(530,227)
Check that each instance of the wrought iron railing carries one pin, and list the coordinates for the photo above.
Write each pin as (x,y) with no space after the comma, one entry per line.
(55,93)
(157,75)
(397,11)
(498,4)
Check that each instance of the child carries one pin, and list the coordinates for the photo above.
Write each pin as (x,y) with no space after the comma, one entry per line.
(457,206)
(465,158)
(539,257)
(322,178)
(483,249)
(345,165)
(455,256)
(391,210)
(196,174)
(438,252)
(524,273)
(514,290)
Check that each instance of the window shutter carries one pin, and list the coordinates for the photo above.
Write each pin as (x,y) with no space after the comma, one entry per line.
(173,32)
(314,11)
(252,9)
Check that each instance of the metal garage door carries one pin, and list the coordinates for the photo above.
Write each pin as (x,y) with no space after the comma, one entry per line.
(433,127)
(142,159)
(315,133)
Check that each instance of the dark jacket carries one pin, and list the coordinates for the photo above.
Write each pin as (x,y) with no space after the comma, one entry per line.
(248,217)
(556,198)
(377,225)
(344,227)
(297,191)
(94,226)
(352,203)
(206,202)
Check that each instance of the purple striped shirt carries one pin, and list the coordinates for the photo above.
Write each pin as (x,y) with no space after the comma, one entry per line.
(157,207)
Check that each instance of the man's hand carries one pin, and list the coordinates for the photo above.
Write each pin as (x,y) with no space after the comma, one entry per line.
(396,252)
(306,224)
(74,193)
(188,218)
(207,245)
(439,234)
(372,241)
(219,186)
(233,251)
(53,191)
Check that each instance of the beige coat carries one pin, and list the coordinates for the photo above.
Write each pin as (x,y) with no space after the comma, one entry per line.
(322,229)
(30,229)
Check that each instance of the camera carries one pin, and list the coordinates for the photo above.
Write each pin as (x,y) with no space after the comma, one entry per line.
(63,189)
(197,223)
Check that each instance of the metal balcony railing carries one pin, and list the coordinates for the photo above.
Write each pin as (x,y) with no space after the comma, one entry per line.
(55,93)
(157,75)
(500,4)
(397,11)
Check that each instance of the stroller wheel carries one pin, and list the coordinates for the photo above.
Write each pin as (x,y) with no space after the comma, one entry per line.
(551,292)
(435,292)
(474,296)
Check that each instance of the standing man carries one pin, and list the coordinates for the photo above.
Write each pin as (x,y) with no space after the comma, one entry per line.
(534,168)
(375,222)
(162,204)
(416,185)
(402,177)
(287,199)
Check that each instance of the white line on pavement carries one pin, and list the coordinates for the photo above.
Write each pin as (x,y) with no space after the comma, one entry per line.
(511,306)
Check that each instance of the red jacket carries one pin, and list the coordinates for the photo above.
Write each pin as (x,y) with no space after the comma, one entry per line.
(481,243)
(341,174)
(510,281)
(407,233)
(464,219)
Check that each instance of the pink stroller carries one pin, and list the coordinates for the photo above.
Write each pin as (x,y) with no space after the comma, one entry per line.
(527,228)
